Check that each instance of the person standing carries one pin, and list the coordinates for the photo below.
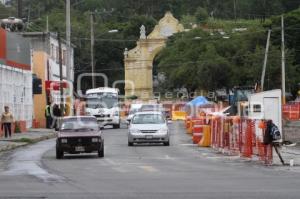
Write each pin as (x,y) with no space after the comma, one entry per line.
(6,120)
(56,116)
(48,116)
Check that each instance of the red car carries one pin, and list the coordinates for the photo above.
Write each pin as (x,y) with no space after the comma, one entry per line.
(79,134)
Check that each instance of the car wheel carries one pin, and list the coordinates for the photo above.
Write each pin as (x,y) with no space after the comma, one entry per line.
(130,143)
(59,154)
(101,151)
(167,143)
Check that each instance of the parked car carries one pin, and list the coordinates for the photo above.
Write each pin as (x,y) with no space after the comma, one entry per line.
(134,108)
(79,134)
(148,127)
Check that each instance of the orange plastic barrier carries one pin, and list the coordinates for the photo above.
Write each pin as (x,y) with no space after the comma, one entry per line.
(189,130)
(178,115)
(187,122)
(197,132)
(291,111)
(206,138)
(238,136)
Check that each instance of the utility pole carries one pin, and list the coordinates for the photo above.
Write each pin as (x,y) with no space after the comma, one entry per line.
(68,55)
(92,50)
(47,24)
(60,75)
(20,9)
(265,61)
(234,7)
(68,40)
(283,60)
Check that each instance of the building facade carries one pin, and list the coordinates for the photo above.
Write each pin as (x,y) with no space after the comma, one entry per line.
(45,65)
(16,76)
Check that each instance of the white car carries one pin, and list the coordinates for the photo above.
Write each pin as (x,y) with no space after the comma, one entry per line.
(148,127)
(134,108)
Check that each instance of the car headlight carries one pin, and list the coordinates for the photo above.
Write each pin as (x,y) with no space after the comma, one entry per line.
(134,131)
(164,131)
(95,139)
(64,141)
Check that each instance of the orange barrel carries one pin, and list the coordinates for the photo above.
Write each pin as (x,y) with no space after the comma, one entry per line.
(197,132)
(189,130)
(191,124)
(206,138)
(187,122)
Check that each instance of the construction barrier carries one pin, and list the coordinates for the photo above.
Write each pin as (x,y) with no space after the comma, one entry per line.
(197,132)
(206,138)
(178,115)
(187,121)
(189,129)
(231,136)
(291,111)
(240,136)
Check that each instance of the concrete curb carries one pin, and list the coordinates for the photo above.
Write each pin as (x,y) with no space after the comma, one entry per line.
(15,145)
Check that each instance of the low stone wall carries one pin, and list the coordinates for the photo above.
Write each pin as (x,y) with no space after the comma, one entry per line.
(291,130)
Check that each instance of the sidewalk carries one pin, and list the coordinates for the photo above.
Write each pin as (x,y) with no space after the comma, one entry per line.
(288,153)
(29,137)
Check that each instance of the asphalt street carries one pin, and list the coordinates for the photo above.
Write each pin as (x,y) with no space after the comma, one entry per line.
(178,171)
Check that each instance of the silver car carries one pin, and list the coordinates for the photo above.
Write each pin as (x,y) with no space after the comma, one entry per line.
(148,127)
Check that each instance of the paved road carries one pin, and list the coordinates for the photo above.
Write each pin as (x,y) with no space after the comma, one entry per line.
(140,172)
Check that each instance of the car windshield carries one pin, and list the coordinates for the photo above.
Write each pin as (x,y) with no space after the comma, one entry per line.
(102,100)
(79,124)
(148,119)
(133,111)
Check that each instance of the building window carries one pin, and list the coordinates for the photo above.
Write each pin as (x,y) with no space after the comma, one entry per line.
(57,55)
(257,108)
(64,57)
(52,53)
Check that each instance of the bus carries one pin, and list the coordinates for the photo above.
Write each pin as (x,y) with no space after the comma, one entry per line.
(103,103)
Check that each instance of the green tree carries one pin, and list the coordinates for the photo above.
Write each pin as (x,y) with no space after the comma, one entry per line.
(201,15)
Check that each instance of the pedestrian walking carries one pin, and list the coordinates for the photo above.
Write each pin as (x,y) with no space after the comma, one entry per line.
(6,120)
(80,111)
(56,116)
(48,116)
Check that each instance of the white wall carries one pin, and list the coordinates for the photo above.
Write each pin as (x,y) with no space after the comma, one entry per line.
(16,92)
(271,107)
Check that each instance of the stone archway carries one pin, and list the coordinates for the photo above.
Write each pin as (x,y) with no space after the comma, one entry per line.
(139,61)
